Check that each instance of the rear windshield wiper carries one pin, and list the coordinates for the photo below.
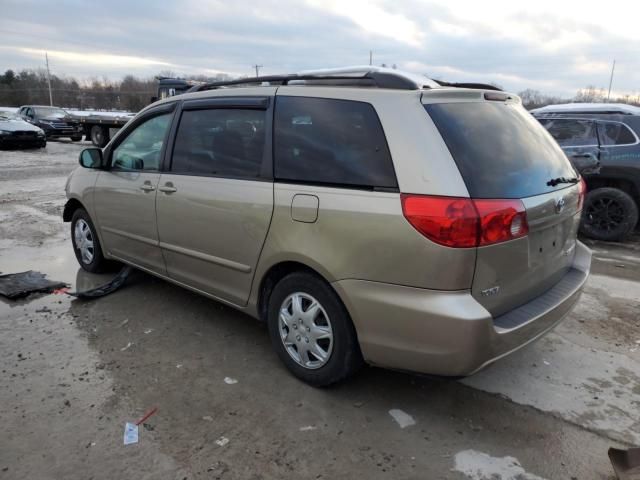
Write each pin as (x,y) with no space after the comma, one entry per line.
(557,181)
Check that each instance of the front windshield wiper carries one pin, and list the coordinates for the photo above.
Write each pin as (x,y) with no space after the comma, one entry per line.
(557,181)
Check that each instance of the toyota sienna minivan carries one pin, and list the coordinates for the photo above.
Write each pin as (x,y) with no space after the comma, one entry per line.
(366,215)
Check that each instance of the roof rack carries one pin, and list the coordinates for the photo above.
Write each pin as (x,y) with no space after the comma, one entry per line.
(367,76)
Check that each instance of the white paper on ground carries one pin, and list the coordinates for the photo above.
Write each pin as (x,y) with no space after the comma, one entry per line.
(130,433)
(402,418)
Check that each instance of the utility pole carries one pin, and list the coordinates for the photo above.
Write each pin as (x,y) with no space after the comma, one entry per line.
(46,58)
(611,79)
(258,67)
(370,57)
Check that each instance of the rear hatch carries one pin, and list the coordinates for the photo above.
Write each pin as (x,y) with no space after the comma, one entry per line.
(503,153)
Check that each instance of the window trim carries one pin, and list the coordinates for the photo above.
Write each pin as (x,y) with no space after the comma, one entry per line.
(371,188)
(123,134)
(226,103)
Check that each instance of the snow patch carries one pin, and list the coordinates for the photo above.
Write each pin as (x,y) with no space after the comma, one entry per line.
(480,466)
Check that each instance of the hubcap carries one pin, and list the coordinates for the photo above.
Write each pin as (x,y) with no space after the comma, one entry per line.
(84,241)
(605,214)
(305,330)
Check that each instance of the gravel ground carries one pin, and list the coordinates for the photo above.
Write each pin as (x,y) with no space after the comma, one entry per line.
(73,372)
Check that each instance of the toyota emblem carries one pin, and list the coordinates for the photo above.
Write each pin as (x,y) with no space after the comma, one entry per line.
(560,204)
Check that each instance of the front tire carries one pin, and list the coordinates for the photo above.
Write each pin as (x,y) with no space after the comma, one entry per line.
(311,330)
(609,214)
(86,244)
(76,138)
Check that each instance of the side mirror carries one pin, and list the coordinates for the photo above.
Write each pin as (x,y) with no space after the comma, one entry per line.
(91,158)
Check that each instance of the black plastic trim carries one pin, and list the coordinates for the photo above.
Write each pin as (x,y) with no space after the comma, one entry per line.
(258,103)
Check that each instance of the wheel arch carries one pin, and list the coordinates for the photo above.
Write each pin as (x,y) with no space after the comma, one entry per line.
(627,185)
(277,272)
(70,207)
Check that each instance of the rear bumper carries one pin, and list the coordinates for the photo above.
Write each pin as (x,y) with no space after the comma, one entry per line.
(450,333)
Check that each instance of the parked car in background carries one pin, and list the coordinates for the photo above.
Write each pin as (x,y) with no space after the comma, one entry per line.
(367,215)
(602,140)
(55,122)
(16,133)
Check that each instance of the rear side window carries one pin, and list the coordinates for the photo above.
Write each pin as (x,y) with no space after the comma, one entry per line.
(572,133)
(615,134)
(220,142)
(327,141)
(500,149)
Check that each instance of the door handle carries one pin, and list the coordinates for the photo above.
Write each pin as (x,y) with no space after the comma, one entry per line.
(147,187)
(168,188)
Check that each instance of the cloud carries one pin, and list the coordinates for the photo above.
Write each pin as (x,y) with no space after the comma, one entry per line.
(557,47)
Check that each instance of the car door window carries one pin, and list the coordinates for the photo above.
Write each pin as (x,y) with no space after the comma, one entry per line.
(142,148)
(220,142)
(572,133)
(328,141)
(614,133)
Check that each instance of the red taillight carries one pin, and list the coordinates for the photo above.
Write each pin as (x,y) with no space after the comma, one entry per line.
(581,193)
(501,220)
(463,222)
(445,220)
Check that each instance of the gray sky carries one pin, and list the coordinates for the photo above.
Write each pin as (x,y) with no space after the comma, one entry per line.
(553,46)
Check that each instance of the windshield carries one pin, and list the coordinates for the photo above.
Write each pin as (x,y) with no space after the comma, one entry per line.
(4,115)
(50,112)
(500,149)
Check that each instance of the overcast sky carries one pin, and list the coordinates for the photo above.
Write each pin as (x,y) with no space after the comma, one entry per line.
(553,46)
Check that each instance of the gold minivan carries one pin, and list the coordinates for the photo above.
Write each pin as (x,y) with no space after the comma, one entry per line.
(367,215)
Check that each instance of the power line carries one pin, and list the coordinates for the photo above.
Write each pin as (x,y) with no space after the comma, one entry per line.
(257,67)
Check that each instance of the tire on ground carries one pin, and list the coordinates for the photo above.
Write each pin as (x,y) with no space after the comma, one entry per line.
(98,263)
(345,357)
(609,214)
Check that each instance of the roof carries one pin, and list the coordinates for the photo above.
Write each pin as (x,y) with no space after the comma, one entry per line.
(588,108)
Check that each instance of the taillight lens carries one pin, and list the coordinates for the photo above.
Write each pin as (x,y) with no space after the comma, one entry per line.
(464,222)
(581,193)
(445,220)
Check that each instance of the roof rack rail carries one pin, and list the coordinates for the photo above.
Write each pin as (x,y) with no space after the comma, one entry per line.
(364,76)
(479,86)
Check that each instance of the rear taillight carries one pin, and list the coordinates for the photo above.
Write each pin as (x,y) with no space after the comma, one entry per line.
(581,193)
(464,222)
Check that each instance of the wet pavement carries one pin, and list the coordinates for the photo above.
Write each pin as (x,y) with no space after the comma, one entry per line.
(74,371)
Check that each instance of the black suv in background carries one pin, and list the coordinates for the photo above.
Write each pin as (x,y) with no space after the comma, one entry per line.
(602,141)
(55,122)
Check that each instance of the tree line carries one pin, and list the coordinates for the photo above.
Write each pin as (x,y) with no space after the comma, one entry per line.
(30,87)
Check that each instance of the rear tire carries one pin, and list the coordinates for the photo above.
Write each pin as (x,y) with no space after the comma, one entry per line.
(86,244)
(76,138)
(609,214)
(99,136)
(297,333)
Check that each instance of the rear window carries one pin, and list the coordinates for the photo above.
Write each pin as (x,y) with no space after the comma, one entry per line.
(615,134)
(331,142)
(500,149)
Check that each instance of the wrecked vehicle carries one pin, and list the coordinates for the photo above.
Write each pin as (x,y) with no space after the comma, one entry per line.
(16,133)
(367,215)
(602,142)
(54,121)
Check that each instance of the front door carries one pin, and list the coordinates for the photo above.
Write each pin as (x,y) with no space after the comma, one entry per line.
(125,195)
(215,203)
